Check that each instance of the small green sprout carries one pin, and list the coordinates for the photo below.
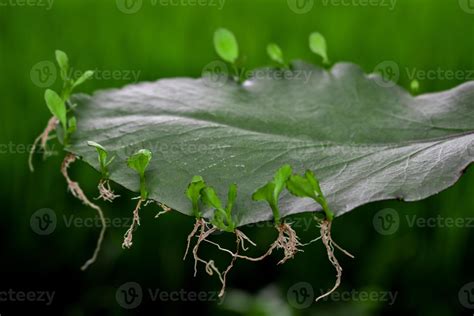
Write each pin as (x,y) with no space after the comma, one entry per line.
(194,194)
(308,186)
(317,44)
(227,48)
(226,45)
(139,162)
(415,86)
(275,53)
(271,191)
(56,106)
(222,216)
(104,162)
(57,103)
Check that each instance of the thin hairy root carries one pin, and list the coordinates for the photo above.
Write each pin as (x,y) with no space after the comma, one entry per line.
(286,240)
(105,191)
(243,238)
(42,139)
(325,228)
(204,233)
(239,240)
(165,208)
(79,194)
(127,238)
(197,225)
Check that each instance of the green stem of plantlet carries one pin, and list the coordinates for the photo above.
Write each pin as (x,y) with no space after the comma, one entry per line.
(327,211)
(276,214)
(197,214)
(143,190)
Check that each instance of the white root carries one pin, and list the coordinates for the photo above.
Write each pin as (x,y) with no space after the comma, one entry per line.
(105,191)
(128,237)
(42,139)
(79,194)
(325,229)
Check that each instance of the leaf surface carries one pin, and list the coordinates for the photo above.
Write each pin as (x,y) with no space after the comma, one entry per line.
(365,142)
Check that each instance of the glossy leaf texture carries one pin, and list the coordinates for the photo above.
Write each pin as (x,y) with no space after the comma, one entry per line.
(364,141)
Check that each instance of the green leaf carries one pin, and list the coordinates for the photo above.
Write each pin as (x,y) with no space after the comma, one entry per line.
(63,62)
(364,141)
(300,186)
(56,106)
(317,44)
(226,45)
(140,160)
(275,53)
(193,193)
(102,157)
(85,76)
(415,86)
(209,197)
(231,197)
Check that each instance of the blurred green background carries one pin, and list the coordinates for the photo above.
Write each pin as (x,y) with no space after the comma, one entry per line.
(426,268)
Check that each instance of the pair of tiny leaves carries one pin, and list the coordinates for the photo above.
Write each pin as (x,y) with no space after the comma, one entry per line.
(227,47)
(317,44)
(104,162)
(306,186)
(139,162)
(198,191)
(56,103)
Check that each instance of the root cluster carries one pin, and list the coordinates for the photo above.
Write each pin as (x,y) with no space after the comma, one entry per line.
(202,230)
(105,191)
(79,194)
(287,240)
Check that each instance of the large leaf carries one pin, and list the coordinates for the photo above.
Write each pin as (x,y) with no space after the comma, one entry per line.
(365,142)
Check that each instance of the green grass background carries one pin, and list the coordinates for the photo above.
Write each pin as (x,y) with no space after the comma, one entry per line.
(426,267)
